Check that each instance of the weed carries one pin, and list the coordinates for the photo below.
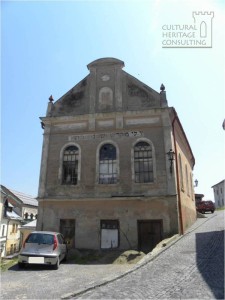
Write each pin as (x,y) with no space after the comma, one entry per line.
(5,264)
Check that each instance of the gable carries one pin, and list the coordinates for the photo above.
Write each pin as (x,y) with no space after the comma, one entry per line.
(106,89)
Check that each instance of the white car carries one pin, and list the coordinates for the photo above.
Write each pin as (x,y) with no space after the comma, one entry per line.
(43,247)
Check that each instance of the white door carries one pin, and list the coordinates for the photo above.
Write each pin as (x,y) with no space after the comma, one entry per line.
(109,238)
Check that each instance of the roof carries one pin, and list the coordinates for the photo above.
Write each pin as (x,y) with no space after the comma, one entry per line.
(31,224)
(218,183)
(176,118)
(13,215)
(24,198)
(106,61)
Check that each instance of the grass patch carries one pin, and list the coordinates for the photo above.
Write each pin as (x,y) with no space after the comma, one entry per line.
(221,208)
(5,264)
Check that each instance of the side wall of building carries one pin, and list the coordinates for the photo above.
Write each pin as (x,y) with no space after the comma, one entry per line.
(219,194)
(185,187)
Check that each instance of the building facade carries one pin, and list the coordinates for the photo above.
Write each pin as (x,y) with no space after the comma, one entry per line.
(106,180)
(219,193)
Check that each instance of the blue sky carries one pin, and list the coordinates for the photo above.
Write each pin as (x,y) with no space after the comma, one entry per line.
(46,46)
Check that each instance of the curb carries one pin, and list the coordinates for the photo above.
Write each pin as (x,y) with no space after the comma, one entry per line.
(148,258)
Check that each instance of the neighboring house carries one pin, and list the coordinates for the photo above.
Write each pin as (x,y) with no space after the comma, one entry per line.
(219,193)
(16,209)
(10,221)
(116,169)
(4,225)
(25,205)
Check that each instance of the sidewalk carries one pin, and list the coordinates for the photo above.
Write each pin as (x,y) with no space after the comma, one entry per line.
(161,247)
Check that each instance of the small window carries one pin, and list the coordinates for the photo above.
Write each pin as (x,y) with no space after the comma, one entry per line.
(3,230)
(143,162)
(70,165)
(13,228)
(107,164)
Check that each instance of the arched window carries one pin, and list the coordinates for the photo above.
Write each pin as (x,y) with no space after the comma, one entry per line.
(70,165)
(107,164)
(143,162)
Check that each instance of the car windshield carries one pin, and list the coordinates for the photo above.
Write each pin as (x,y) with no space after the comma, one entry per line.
(41,238)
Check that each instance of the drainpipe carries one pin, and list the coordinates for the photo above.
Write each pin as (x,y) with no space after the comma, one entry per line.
(177,176)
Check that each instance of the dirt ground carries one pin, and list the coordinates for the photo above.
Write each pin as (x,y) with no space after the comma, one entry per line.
(105,257)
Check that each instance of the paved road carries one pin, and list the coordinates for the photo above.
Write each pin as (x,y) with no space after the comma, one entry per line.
(190,268)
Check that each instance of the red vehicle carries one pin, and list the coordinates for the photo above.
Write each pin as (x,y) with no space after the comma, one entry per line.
(205,206)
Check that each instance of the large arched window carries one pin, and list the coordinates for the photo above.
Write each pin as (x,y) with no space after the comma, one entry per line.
(70,165)
(107,164)
(143,162)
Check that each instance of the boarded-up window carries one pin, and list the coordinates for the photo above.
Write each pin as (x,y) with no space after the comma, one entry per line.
(105,98)
(109,234)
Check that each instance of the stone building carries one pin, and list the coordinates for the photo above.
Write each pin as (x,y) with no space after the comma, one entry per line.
(116,169)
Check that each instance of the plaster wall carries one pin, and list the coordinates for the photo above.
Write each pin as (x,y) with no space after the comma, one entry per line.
(89,213)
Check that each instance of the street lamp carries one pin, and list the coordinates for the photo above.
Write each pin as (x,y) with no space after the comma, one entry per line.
(196,183)
(171,157)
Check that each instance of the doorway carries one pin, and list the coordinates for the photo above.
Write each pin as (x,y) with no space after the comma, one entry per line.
(149,234)
(67,228)
(109,234)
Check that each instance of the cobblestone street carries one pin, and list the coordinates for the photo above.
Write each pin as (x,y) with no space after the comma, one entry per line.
(192,268)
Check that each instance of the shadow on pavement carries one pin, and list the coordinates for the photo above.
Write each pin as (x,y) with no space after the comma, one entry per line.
(210,260)
(33,267)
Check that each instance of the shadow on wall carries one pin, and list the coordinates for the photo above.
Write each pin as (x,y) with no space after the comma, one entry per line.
(210,260)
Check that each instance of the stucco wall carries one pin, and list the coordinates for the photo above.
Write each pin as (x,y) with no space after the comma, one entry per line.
(89,144)
(87,215)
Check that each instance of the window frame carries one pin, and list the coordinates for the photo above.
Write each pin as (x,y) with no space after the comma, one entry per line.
(152,159)
(98,163)
(61,160)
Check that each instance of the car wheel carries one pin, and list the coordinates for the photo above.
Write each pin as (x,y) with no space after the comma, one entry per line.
(56,266)
(212,211)
(21,265)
